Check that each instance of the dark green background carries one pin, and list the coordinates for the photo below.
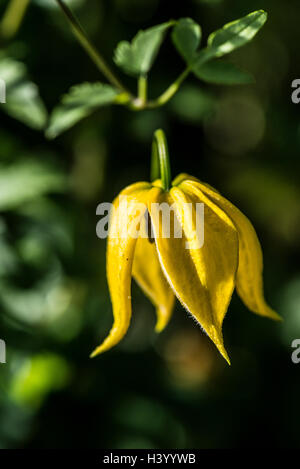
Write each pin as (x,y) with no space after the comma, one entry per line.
(172,390)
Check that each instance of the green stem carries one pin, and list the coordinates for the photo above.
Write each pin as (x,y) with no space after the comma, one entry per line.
(90,48)
(170,91)
(142,89)
(13,17)
(160,164)
(141,102)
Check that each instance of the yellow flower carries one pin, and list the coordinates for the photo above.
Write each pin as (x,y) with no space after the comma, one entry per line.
(201,277)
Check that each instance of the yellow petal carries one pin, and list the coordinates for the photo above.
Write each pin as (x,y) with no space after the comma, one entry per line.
(148,274)
(197,275)
(249,276)
(182,177)
(219,252)
(119,258)
(157,183)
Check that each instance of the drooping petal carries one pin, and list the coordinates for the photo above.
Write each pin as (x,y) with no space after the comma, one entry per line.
(148,274)
(119,258)
(196,273)
(249,282)
(217,259)
(220,251)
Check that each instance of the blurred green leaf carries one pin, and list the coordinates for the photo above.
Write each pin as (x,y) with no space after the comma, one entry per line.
(223,73)
(186,37)
(236,33)
(22,96)
(51,4)
(81,101)
(289,300)
(8,257)
(274,193)
(26,180)
(53,224)
(38,376)
(193,104)
(42,304)
(136,58)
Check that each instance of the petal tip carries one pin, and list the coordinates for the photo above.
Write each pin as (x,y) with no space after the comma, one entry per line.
(216,336)
(275,316)
(269,313)
(224,354)
(96,352)
(163,317)
(159,327)
(227,359)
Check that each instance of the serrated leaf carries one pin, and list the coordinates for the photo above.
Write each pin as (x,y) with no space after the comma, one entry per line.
(186,37)
(22,96)
(223,73)
(81,101)
(136,58)
(236,34)
(25,181)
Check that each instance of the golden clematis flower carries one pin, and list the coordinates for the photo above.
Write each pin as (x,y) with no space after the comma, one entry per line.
(201,277)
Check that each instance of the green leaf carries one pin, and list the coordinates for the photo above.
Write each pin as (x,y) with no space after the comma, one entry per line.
(25,181)
(186,37)
(136,58)
(223,73)
(81,101)
(236,34)
(22,96)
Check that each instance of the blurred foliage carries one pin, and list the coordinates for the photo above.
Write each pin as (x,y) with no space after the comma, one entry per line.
(171,390)
(22,99)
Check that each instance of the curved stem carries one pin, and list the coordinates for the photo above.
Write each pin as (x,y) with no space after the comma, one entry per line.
(13,17)
(170,91)
(141,102)
(90,48)
(160,165)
